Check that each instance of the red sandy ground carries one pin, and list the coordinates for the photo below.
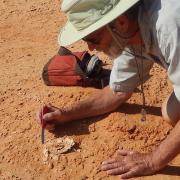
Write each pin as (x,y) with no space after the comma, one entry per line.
(28,38)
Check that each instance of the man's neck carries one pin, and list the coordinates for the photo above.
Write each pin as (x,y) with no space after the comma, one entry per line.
(136,39)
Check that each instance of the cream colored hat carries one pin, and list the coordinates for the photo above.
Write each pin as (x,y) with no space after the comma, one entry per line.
(86,16)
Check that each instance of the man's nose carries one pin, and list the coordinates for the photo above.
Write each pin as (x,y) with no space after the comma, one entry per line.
(91,46)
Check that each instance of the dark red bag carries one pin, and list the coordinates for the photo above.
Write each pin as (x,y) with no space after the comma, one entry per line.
(73,69)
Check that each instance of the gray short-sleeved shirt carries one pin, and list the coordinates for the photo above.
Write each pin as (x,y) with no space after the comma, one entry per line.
(159,22)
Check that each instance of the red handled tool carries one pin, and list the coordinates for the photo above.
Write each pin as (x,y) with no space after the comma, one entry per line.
(43,123)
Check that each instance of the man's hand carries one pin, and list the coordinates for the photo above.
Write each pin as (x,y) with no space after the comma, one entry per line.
(128,164)
(51,116)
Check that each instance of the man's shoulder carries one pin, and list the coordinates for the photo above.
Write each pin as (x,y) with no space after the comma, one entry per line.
(162,17)
(163,13)
(165,23)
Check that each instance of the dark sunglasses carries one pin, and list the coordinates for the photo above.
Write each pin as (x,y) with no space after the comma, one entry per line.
(90,40)
(93,38)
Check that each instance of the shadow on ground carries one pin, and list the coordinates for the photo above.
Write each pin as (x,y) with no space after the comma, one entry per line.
(171,170)
(81,127)
(136,109)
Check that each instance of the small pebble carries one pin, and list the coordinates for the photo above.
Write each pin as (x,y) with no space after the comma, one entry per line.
(83,177)
(51,165)
(132,129)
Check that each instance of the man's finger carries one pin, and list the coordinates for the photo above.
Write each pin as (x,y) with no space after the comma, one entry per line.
(50,116)
(114,165)
(129,174)
(122,152)
(51,108)
(118,171)
(125,152)
(109,161)
(50,127)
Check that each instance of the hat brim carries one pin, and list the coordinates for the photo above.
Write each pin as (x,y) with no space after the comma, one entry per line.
(70,35)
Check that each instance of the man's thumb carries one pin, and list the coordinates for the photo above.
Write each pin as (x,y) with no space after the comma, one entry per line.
(50,116)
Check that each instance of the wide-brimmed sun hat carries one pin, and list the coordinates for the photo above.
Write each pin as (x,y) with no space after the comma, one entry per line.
(86,16)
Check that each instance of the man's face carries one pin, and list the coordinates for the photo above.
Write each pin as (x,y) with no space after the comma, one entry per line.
(101,40)
(113,39)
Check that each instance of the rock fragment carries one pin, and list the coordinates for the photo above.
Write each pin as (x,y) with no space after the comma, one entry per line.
(54,148)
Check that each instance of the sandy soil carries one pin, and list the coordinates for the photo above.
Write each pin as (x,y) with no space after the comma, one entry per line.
(28,38)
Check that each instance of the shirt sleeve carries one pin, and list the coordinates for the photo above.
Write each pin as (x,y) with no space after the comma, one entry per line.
(172,55)
(126,70)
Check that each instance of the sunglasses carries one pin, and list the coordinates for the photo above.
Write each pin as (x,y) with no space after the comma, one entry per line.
(93,41)
(94,38)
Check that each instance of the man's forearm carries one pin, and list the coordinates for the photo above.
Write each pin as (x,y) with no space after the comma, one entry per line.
(168,149)
(102,102)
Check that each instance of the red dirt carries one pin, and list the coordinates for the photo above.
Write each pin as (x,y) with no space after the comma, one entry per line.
(29,32)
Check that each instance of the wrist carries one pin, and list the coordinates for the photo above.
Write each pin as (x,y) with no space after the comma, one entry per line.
(156,162)
(65,114)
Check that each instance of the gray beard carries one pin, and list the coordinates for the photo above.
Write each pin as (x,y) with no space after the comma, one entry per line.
(116,48)
(114,51)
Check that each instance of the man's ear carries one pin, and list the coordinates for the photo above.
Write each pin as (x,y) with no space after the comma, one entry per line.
(122,23)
